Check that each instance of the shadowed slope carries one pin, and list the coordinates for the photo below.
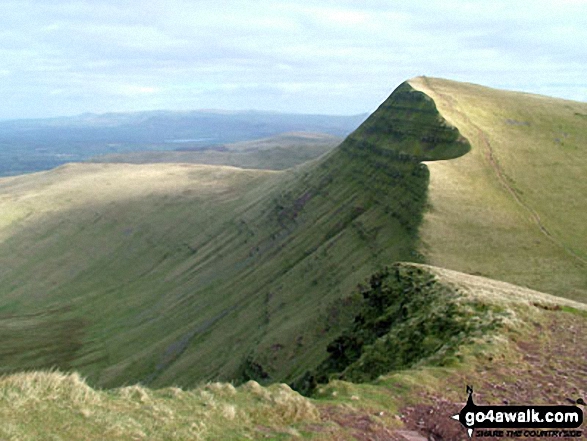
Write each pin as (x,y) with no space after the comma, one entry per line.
(178,274)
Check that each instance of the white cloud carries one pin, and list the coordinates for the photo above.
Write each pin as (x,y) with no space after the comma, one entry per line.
(132,90)
(346,17)
(342,56)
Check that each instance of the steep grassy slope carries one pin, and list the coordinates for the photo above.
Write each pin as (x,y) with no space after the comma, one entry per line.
(88,251)
(173,274)
(518,344)
(514,208)
(169,274)
(176,274)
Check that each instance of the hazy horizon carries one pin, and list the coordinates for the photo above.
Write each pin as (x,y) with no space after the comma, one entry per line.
(179,112)
(66,58)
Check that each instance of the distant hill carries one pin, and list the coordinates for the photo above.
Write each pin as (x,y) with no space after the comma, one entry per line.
(40,144)
(274,153)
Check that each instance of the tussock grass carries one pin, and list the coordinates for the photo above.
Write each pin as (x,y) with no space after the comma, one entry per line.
(55,405)
(41,385)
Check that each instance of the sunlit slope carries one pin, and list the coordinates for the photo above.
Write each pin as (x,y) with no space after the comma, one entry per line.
(171,274)
(515,207)
(88,254)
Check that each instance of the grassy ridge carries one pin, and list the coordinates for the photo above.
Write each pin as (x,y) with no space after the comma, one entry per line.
(178,274)
(407,316)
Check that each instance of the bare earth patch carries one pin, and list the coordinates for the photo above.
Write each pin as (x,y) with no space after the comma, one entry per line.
(552,370)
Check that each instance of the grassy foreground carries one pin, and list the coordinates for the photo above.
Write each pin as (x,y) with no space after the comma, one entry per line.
(509,362)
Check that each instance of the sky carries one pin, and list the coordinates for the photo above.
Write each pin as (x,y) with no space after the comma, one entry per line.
(61,57)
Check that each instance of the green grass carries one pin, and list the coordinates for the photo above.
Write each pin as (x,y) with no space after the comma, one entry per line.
(178,274)
(174,274)
(407,316)
(513,208)
(56,406)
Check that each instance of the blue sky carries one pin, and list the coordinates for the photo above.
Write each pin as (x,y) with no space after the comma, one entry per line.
(62,57)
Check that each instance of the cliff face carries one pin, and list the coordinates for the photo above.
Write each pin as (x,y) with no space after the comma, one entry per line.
(353,213)
(408,126)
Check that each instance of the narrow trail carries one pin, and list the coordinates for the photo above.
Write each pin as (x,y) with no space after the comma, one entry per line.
(502,177)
